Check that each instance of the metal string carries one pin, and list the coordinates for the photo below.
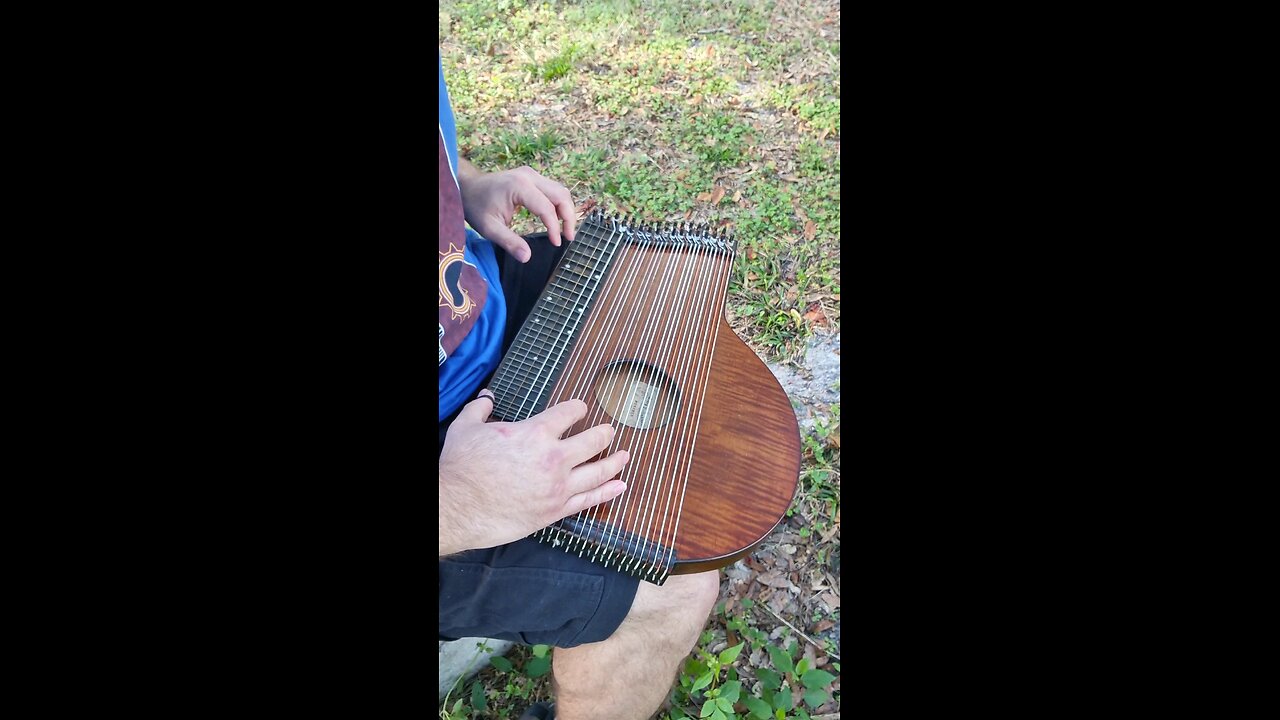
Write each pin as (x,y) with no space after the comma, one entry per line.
(651,479)
(563,338)
(632,262)
(539,331)
(584,363)
(705,257)
(715,307)
(633,438)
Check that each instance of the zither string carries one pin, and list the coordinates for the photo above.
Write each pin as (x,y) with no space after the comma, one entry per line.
(562,339)
(659,441)
(542,333)
(666,319)
(691,291)
(658,266)
(672,448)
(584,362)
(722,290)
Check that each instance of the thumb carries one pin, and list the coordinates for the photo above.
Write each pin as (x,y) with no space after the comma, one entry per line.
(505,238)
(478,410)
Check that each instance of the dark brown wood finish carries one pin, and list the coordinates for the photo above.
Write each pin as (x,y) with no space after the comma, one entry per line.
(746,464)
(746,452)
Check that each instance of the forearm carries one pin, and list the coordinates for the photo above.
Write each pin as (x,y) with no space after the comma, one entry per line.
(467,175)
(467,172)
(451,540)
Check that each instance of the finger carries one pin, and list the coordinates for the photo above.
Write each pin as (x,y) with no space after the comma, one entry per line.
(584,478)
(507,239)
(559,418)
(532,197)
(560,197)
(478,410)
(589,477)
(588,443)
(591,498)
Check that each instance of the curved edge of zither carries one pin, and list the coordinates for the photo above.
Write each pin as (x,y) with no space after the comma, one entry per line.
(747,462)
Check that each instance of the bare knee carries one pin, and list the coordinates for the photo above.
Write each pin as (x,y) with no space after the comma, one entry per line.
(703,591)
(683,596)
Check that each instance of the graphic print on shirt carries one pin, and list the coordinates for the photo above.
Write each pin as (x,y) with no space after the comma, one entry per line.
(452,293)
(463,289)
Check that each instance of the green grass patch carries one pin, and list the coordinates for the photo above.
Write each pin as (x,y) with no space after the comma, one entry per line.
(558,65)
(513,149)
(718,140)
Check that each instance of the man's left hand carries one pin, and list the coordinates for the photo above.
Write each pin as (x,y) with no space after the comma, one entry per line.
(490,200)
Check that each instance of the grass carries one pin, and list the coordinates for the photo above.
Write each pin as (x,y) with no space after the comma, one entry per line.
(654,108)
(646,106)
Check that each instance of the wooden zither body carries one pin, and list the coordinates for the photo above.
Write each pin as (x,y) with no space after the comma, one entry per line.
(632,323)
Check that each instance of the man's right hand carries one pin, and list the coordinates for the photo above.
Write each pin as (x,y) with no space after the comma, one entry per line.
(502,481)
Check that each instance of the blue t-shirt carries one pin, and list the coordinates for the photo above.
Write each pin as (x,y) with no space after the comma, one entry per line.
(471,360)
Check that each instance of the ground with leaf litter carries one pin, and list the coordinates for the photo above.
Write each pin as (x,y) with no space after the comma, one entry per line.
(724,113)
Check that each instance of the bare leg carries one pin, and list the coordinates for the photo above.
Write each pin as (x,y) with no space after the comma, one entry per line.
(627,676)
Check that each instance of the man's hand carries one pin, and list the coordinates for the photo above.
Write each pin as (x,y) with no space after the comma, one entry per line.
(490,200)
(502,481)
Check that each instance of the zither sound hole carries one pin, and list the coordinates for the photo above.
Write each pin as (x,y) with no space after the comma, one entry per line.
(637,395)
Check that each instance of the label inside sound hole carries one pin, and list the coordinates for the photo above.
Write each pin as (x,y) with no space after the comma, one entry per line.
(637,395)
(644,400)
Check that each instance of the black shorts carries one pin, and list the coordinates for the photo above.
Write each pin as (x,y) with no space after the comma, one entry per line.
(529,592)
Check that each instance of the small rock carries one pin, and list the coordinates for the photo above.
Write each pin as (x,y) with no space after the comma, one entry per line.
(462,658)
(817,384)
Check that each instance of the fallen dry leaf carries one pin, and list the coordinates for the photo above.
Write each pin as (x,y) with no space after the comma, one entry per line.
(816,317)
(704,197)
(824,625)
(717,194)
(810,229)
(586,206)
